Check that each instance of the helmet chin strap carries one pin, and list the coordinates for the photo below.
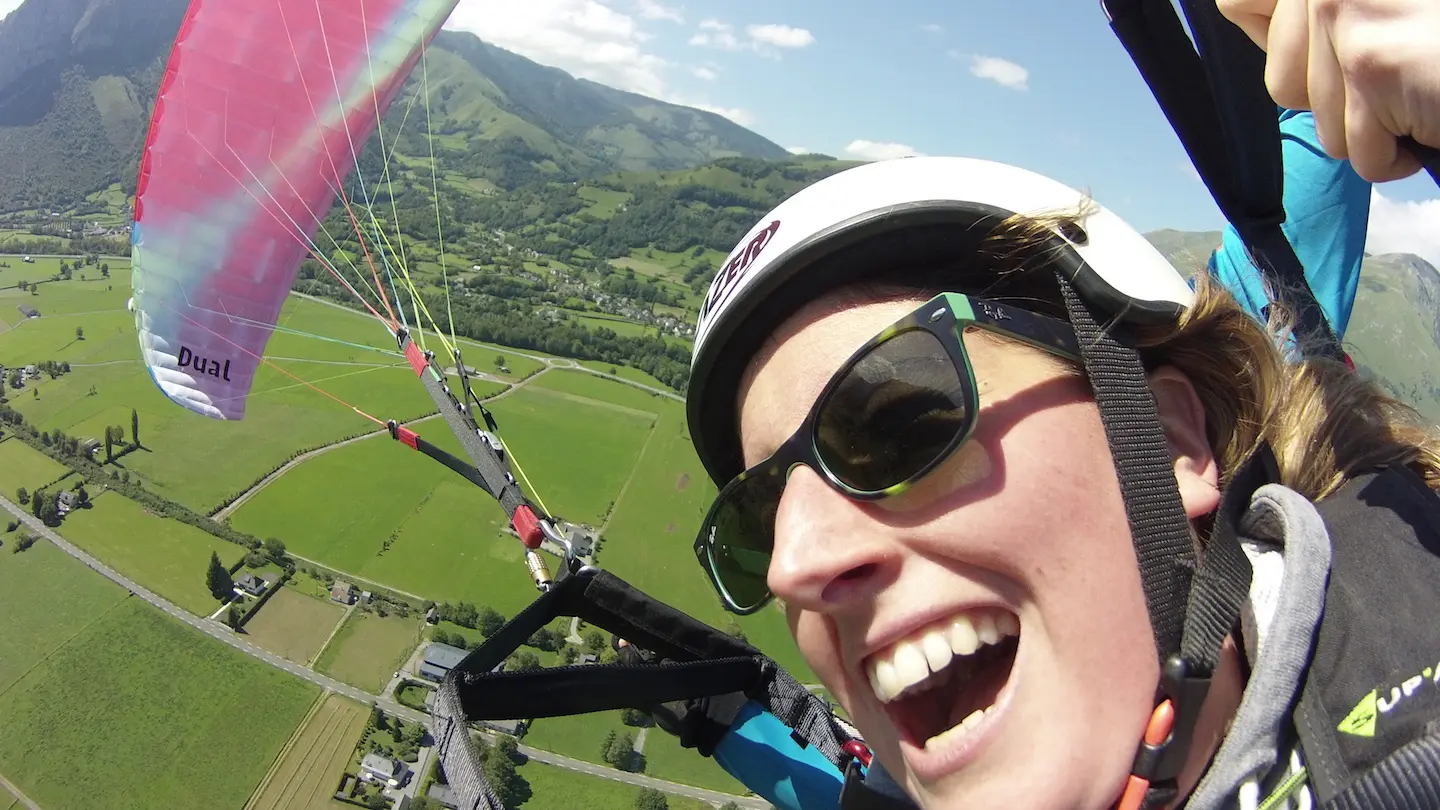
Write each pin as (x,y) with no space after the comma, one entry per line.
(1194,601)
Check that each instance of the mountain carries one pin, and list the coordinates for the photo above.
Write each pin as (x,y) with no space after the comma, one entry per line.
(1394,331)
(78,78)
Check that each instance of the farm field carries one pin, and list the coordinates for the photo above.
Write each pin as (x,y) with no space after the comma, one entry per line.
(23,466)
(555,788)
(49,598)
(163,554)
(135,688)
(650,539)
(367,649)
(626,373)
(305,776)
(293,625)
(445,536)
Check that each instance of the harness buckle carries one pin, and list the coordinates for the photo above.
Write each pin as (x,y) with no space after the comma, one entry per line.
(1166,745)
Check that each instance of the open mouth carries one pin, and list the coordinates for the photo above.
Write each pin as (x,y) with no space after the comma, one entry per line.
(938,684)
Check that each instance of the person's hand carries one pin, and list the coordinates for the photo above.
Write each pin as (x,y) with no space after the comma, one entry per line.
(1368,69)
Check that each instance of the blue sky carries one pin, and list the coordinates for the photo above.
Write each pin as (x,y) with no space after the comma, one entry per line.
(1039,83)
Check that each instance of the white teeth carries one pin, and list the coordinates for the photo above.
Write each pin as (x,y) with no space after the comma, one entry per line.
(959,730)
(914,659)
(962,636)
(888,682)
(1007,624)
(937,650)
(910,665)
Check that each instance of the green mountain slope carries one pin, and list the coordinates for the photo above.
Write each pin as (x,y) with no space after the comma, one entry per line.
(78,77)
(1394,332)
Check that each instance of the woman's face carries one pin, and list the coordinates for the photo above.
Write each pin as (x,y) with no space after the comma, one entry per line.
(1008,571)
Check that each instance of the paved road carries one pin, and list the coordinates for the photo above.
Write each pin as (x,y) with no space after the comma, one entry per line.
(223,633)
(15,791)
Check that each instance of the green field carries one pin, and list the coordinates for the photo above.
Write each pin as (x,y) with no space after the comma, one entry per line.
(555,788)
(626,373)
(293,625)
(162,554)
(367,649)
(448,539)
(49,598)
(650,538)
(138,711)
(304,778)
(23,466)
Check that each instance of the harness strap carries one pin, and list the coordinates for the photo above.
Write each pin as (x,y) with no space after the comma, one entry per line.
(696,661)
(1218,105)
(1404,780)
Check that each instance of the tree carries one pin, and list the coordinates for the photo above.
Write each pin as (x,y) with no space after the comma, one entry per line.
(594,640)
(254,560)
(105,270)
(22,495)
(397,730)
(109,445)
(79,333)
(499,361)
(217,578)
(607,744)
(233,616)
(651,799)
(275,549)
(81,496)
(634,717)
(523,661)
(440,637)
(377,717)
(729,806)
(134,427)
(489,621)
(36,502)
(622,750)
(510,787)
(377,800)
(50,509)
(568,654)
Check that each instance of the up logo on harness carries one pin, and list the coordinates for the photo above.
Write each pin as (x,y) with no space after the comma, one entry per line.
(729,276)
(1362,720)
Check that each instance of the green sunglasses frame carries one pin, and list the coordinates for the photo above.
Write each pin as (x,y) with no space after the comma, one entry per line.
(946,316)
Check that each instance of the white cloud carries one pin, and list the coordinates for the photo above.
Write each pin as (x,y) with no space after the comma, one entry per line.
(704,73)
(880,150)
(1001,71)
(931,28)
(798,150)
(716,34)
(1398,226)
(651,10)
(781,36)
(590,39)
(7,6)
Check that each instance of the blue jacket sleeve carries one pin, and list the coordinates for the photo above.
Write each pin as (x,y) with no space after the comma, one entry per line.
(1327,211)
(759,751)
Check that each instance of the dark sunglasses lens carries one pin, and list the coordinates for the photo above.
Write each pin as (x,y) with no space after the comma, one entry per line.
(741,534)
(898,409)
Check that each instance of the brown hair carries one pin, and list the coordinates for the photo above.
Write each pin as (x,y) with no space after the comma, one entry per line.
(1325,423)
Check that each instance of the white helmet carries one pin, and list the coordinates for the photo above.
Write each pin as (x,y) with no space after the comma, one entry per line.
(782,263)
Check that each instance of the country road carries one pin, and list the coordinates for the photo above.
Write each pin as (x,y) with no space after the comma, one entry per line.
(15,791)
(225,634)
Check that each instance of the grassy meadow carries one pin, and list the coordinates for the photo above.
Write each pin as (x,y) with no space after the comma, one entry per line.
(293,625)
(367,649)
(132,688)
(305,775)
(162,554)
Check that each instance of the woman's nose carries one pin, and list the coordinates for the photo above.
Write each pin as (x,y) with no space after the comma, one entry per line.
(829,553)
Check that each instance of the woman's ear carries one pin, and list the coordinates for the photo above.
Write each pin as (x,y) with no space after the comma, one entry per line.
(1182,417)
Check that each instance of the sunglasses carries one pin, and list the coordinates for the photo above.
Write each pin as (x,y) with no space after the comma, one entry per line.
(899,407)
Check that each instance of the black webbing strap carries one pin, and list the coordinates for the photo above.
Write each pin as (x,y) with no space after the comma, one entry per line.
(1407,779)
(696,661)
(1191,611)
(459,756)
(1163,544)
(1218,105)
